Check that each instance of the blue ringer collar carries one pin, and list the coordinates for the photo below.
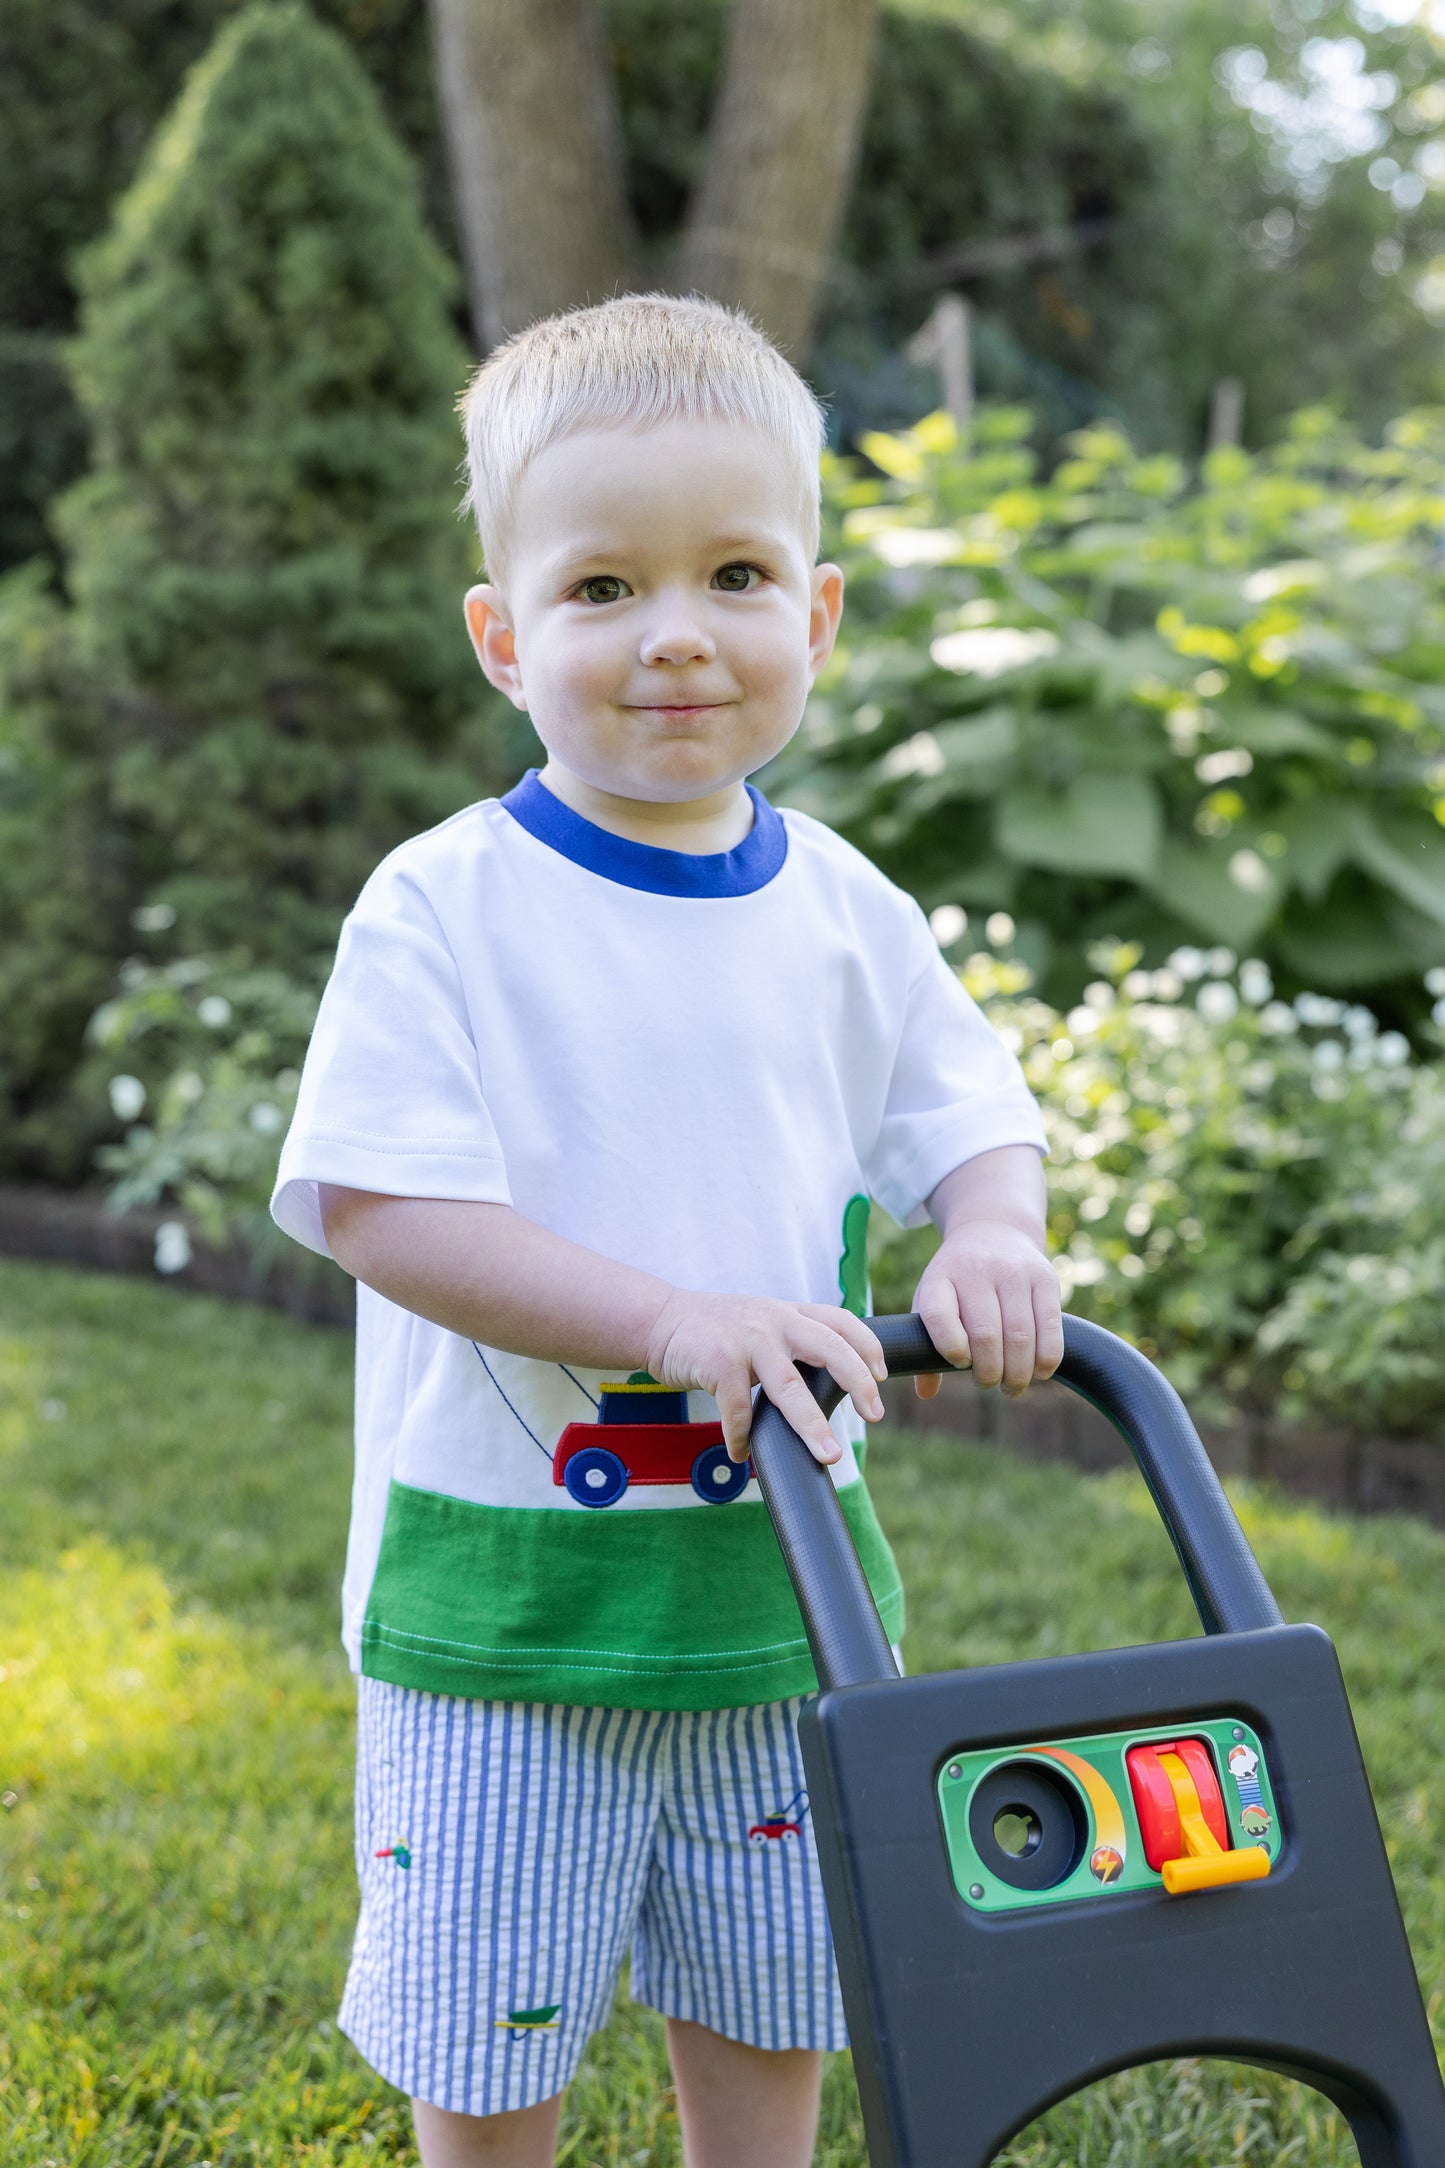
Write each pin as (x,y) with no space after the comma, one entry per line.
(738,872)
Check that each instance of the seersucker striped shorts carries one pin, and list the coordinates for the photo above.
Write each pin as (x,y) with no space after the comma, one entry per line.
(512,1853)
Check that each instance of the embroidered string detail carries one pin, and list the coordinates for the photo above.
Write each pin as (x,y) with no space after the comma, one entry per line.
(579,1385)
(506,1403)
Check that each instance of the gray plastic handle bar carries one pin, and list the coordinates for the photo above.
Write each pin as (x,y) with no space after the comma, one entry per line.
(845,1633)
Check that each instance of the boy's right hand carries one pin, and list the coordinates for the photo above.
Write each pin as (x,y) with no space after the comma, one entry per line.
(727,1344)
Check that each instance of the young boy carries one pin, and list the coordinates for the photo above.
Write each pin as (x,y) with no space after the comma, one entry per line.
(602,1081)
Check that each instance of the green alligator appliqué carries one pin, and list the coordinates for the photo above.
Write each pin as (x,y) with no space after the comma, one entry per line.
(853,1264)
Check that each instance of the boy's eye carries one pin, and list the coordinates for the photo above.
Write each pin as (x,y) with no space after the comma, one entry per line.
(737,579)
(604,587)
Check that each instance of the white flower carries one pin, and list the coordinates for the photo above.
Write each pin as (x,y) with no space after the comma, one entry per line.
(999,929)
(189,1088)
(1221,962)
(1189,963)
(1319,1011)
(1435,980)
(989,650)
(1255,983)
(215,1011)
(1217,1002)
(1393,1050)
(1358,1023)
(1222,766)
(265,1119)
(1279,1019)
(1329,1054)
(920,755)
(1248,871)
(1166,985)
(173,1247)
(127,1097)
(949,923)
(153,918)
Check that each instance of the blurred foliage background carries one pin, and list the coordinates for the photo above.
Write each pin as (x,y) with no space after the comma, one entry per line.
(1141,689)
(1139,199)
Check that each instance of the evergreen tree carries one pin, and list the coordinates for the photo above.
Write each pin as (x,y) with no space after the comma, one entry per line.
(262,680)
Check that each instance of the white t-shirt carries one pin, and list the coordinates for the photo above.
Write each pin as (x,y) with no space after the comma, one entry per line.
(695,1065)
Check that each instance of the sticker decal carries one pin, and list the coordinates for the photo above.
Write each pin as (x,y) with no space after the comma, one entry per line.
(401,1853)
(1111,1847)
(1244,1768)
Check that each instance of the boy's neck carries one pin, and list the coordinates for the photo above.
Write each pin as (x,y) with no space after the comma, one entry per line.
(701,826)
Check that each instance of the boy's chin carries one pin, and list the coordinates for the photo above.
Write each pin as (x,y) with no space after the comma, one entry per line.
(672,775)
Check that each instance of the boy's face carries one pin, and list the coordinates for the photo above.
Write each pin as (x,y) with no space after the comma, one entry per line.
(660,622)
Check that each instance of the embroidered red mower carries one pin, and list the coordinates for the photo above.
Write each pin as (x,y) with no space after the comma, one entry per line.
(644,1436)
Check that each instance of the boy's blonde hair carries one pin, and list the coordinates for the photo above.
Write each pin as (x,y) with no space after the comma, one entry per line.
(633,362)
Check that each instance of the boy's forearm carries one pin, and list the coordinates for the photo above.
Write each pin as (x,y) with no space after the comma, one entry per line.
(484,1271)
(1006,1186)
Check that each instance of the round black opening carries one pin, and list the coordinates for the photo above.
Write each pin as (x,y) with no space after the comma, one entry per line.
(1017,1831)
(1028,1824)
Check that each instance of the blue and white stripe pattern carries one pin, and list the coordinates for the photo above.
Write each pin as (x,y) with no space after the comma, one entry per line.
(541,1844)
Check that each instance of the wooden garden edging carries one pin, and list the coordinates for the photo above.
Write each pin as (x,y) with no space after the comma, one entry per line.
(1336,1468)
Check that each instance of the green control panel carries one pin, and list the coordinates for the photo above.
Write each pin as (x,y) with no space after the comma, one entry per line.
(1056,1821)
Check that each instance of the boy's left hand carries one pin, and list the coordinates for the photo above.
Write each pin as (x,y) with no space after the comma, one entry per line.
(990,1300)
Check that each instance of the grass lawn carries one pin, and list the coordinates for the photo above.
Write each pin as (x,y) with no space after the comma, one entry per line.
(175,1741)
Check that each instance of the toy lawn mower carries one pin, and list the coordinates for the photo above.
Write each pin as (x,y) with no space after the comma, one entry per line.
(1041,1873)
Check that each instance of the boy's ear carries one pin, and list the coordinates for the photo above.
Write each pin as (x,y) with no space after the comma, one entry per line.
(492,638)
(826,616)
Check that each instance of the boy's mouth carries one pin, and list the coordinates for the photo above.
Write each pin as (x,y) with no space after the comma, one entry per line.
(679,708)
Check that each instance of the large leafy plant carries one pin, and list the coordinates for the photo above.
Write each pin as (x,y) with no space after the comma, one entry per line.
(1128,701)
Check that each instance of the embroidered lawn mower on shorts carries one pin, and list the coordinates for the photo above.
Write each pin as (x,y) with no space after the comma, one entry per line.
(1040,1873)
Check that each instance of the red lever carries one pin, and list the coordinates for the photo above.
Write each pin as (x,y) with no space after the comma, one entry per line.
(1158,1803)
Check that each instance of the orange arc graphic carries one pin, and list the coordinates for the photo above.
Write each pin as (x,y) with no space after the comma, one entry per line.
(1108,1815)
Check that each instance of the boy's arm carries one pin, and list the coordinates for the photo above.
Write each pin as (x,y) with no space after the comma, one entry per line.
(484,1271)
(990,1297)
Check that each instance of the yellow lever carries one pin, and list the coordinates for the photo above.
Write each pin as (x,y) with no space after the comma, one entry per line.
(1206,1864)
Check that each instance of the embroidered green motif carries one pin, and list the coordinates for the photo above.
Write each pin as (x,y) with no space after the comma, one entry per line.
(530,2021)
(853,1264)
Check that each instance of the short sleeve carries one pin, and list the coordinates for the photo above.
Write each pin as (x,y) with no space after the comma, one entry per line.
(391,1097)
(955,1091)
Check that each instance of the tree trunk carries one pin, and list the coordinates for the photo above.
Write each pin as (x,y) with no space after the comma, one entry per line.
(534,144)
(781,153)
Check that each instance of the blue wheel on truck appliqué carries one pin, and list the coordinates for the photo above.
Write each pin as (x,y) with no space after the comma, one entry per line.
(595,1477)
(717,1478)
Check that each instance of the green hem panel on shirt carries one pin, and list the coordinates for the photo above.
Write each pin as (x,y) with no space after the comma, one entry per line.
(685,1608)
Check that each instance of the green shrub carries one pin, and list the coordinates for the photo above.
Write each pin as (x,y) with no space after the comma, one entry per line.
(261,681)
(1204,1136)
(1358,1330)
(1118,702)
(1249,1190)
(213,1051)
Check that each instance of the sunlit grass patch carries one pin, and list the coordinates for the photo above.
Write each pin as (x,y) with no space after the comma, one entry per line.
(176,1887)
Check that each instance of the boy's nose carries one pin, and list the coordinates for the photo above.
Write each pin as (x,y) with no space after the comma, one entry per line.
(676,637)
